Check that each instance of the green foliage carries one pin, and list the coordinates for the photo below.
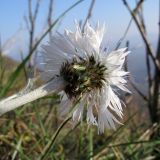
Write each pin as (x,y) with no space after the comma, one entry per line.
(36,131)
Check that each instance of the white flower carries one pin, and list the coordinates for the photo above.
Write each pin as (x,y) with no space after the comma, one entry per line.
(92,76)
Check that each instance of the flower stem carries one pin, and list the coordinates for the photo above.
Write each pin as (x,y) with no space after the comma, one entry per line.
(52,141)
(90,144)
(18,100)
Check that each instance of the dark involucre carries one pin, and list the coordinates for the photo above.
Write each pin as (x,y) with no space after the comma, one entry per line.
(82,75)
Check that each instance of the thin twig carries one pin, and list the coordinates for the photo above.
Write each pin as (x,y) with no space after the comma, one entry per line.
(124,35)
(141,17)
(158,48)
(36,10)
(32,24)
(50,11)
(138,91)
(129,25)
(89,13)
(139,3)
(146,41)
(32,16)
(156,84)
(126,59)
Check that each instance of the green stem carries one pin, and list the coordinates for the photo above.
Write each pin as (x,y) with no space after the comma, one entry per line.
(52,141)
(90,144)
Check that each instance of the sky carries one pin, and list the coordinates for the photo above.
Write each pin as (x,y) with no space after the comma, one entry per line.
(111,12)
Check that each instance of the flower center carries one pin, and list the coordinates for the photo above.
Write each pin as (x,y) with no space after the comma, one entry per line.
(82,75)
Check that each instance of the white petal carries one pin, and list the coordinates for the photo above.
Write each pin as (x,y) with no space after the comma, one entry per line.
(106,120)
(91,119)
(77,114)
(62,42)
(65,106)
(115,101)
(117,57)
(123,88)
(89,41)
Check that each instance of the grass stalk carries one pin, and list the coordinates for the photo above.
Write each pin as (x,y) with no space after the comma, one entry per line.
(90,144)
(50,144)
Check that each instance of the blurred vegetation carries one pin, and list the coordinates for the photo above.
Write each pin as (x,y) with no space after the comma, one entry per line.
(36,131)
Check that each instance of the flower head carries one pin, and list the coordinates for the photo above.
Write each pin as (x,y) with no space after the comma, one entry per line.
(92,76)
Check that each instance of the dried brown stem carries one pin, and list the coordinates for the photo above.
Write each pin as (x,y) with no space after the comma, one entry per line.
(138,91)
(142,22)
(158,48)
(32,16)
(50,15)
(136,10)
(156,87)
(124,35)
(89,15)
(144,37)
(139,4)
(153,91)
